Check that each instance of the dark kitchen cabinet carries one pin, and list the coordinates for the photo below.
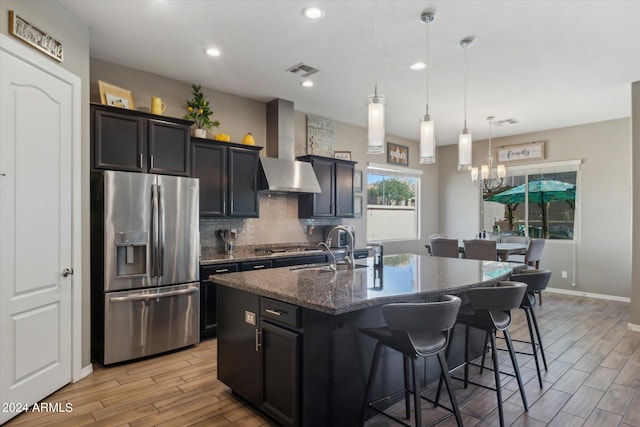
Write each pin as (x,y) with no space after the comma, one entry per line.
(336,189)
(129,140)
(255,265)
(259,343)
(299,260)
(228,176)
(209,298)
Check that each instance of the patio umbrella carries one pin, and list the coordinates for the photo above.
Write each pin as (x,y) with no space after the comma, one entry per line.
(541,191)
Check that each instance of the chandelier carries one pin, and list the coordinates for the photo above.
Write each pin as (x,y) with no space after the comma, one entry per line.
(490,178)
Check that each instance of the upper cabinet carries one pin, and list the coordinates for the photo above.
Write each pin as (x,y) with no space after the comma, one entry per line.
(135,141)
(336,189)
(228,176)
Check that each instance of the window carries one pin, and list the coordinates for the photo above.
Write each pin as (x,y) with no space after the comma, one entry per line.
(539,202)
(392,204)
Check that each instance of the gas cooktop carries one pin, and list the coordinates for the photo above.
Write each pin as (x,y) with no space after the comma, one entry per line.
(287,249)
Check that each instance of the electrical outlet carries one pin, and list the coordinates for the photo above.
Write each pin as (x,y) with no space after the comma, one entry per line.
(250,317)
(564,274)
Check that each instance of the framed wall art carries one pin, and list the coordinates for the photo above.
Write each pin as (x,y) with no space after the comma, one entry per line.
(115,96)
(342,155)
(321,134)
(357,180)
(357,206)
(397,154)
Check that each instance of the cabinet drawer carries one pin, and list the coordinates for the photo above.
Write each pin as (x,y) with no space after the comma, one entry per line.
(207,270)
(255,265)
(280,312)
(360,253)
(287,262)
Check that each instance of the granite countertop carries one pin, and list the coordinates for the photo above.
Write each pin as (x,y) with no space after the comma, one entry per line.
(402,278)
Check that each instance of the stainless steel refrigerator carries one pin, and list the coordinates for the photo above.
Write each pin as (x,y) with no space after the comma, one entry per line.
(145,254)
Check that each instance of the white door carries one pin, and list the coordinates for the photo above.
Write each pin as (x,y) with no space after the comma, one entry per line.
(36,132)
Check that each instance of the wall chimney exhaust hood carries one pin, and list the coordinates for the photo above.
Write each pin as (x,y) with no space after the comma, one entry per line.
(279,171)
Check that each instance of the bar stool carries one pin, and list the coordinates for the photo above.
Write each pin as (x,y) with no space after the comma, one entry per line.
(415,330)
(490,311)
(536,281)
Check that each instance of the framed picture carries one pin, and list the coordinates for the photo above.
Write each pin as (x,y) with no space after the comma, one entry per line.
(397,154)
(357,206)
(357,180)
(115,96)
(342,155)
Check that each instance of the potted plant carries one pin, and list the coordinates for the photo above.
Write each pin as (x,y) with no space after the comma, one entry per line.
(199,111)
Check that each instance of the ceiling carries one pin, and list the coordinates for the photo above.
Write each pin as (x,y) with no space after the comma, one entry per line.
(546,64)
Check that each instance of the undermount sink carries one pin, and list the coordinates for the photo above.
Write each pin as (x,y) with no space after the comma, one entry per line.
(326,267)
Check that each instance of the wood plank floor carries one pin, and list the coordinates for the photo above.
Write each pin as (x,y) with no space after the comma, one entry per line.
(593,380)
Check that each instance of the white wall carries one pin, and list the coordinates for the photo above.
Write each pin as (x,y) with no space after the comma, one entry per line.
(599,261)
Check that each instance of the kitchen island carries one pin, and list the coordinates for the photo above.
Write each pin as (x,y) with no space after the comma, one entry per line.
(288,340)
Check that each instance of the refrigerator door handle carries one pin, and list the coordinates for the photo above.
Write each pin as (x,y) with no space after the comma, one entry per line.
(140,297)
(154,230)
(161,231)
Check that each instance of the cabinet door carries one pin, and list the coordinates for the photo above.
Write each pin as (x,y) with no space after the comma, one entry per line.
(168,148)
(344,190)
(118,142)
(238,357)
(324,202)
(209,298)
(243,183)
(280,380)
(209,164)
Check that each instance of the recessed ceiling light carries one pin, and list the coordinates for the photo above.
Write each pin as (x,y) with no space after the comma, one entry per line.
(418,66)
(313,12)
(307,83)
(212,51)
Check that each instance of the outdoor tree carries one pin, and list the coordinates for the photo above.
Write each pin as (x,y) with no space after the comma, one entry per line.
(391,191)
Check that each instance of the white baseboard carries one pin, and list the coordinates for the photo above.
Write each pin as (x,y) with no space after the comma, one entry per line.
(85,372)
(632,327)
(589,294)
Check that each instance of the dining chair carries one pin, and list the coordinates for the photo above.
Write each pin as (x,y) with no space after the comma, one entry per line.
(480,249)
(444,247)
(416,330)
(434,236)
(532,258)
(525,240)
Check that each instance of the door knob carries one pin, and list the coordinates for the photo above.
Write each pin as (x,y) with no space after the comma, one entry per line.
(67,271)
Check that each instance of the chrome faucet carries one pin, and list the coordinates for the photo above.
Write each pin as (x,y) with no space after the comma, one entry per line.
(349,255)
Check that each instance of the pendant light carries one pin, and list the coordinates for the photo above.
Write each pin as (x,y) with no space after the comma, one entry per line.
(375,122)
(427,137)
(465,141)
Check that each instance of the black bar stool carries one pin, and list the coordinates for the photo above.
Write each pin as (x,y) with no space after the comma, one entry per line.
(536,281)
(415,330)
(490,311)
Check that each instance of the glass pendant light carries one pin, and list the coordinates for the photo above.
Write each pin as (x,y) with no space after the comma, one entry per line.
(465,141)
(427,137)
(375,123)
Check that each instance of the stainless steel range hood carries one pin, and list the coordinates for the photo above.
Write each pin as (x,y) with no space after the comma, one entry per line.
(280,172)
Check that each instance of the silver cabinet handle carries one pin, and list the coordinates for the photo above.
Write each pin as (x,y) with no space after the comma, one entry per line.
(151,162)
(258,339)
(258,267)
(222,270)
(274,312)
(67,272)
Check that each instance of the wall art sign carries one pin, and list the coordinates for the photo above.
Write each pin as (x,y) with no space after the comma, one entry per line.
(321,135)
(511,153)
(397,154)
(35,37)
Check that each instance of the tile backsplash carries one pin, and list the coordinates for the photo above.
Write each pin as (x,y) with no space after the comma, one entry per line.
(278,224)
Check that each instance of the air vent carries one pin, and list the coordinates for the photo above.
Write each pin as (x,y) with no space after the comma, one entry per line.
(303,68)
(506,122)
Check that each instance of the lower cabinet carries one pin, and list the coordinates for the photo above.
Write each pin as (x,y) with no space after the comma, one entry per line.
(209,298)
(259,342)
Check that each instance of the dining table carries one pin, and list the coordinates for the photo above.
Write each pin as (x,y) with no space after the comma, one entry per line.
(504,250)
